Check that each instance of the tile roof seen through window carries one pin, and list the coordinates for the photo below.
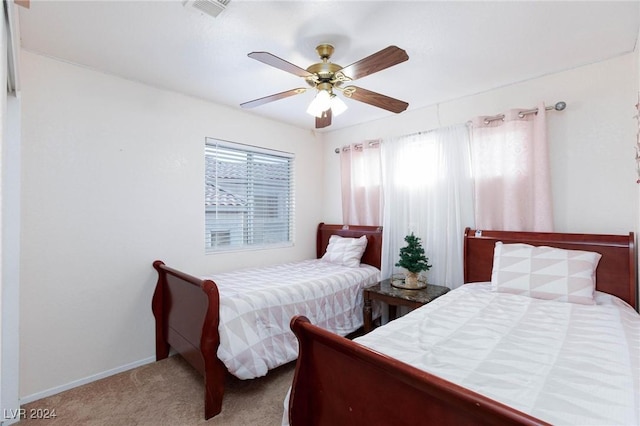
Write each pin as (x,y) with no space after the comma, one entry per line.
(222,176)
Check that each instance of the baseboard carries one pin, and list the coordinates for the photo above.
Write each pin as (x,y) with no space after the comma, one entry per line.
(39,395)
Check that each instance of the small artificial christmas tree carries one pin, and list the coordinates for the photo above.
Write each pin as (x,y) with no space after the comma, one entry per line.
(413,259)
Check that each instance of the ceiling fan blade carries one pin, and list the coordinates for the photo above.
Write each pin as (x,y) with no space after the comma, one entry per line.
(385,58)
(325,120)
(375,99)
(274,61)
(271,98)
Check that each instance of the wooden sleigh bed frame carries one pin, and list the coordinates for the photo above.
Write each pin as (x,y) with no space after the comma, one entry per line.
(186,311)
(338,381)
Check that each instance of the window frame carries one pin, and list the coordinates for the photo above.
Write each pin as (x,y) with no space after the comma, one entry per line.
(256,182)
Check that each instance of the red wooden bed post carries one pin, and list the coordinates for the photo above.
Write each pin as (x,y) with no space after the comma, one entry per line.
(187,318)
(157,306)
(214,369)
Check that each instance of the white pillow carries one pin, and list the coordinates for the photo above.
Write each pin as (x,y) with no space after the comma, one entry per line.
(545,272)
(345,251)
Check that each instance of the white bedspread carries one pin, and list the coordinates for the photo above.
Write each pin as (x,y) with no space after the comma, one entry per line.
(256,306)
(560,362)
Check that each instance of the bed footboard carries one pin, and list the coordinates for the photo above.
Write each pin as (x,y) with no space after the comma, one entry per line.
(338,381)
(186,310)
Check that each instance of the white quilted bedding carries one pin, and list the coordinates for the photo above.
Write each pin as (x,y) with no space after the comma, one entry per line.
(256,306)
(560,362)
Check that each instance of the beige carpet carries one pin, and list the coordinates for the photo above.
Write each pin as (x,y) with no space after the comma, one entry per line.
(168,392)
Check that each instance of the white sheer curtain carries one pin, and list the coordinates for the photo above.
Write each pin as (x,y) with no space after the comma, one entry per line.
(428,191)
(511,173)
(360,169)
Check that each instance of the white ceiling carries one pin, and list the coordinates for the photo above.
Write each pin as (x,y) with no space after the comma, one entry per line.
(455,48)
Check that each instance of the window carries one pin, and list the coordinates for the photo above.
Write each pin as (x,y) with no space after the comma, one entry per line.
(248,197)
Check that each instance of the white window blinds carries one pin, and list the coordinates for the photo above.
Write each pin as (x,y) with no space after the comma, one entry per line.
(248,196)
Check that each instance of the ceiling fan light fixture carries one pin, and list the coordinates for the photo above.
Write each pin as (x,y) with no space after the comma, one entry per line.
(337,105)
(327,76)
(320,103)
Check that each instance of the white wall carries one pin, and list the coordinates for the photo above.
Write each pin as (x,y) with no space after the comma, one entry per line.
(112,179)
(591,142)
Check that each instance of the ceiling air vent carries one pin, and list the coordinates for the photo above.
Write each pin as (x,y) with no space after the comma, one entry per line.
(210,7)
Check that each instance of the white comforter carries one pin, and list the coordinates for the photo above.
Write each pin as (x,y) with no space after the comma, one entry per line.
(256,306)
(560,362)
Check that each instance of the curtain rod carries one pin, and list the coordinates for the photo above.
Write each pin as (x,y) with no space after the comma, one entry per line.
(357,145)
(559,106)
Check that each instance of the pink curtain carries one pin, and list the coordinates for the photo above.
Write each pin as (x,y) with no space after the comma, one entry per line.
(510,162)
(361,184)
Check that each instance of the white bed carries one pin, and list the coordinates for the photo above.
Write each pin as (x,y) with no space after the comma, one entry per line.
(239,322)
(256,307)
(546,332)
(544,358)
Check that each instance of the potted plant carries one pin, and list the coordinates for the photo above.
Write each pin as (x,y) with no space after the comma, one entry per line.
(413,259)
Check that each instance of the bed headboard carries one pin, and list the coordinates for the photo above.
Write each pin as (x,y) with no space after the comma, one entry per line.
(616,273)
(373,253)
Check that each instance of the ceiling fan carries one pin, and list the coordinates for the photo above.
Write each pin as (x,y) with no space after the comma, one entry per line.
(327,78)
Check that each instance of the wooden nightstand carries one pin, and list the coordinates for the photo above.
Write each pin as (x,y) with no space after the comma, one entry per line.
(395,297)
